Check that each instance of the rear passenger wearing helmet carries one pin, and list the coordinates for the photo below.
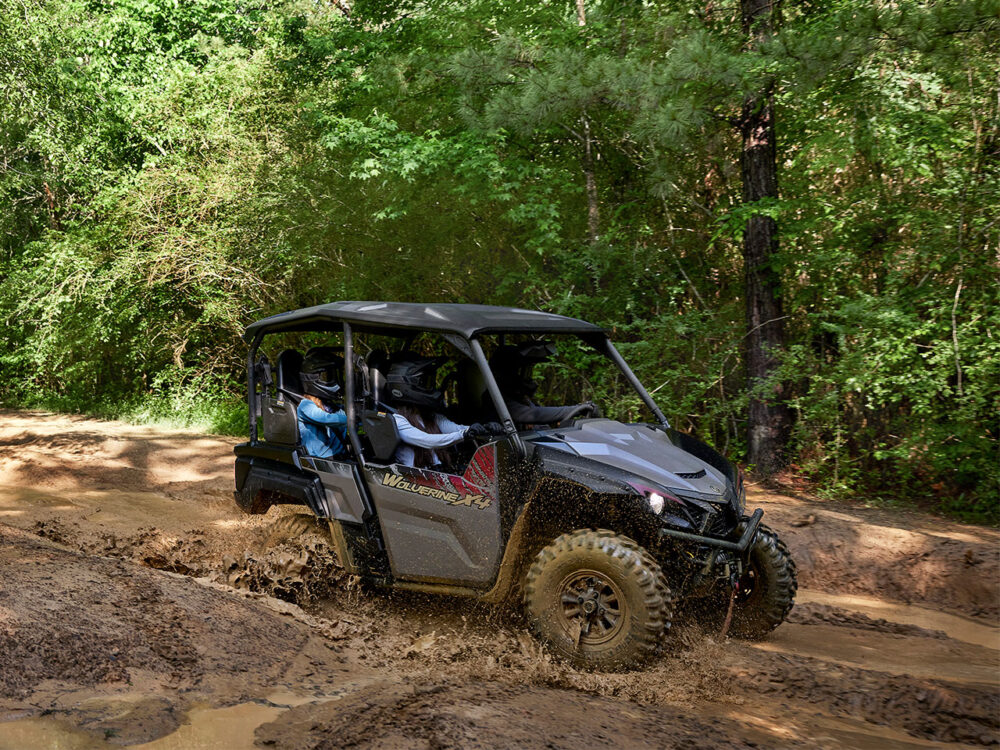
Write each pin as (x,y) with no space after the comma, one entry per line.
(322,421)
(322,372)
(426,435)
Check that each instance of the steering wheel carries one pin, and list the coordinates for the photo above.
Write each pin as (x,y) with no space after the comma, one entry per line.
(588,409)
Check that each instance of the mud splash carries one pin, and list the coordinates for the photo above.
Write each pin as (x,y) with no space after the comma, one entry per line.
(292,558)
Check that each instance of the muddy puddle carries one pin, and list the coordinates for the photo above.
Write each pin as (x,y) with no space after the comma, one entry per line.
(231,728)
(927,658)
(953,626)
(139,608)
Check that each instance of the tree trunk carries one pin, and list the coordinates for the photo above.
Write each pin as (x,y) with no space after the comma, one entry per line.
(593,208)
(769,418)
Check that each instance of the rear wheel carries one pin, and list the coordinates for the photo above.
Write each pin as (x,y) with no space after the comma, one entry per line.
(767,588)
(598,599)
(296,525)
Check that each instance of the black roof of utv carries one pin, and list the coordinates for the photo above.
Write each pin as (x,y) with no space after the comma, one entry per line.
(465,320)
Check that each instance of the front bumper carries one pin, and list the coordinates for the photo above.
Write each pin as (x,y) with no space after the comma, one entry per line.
(746,538)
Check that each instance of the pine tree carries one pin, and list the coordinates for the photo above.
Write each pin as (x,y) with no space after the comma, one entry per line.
(768,417)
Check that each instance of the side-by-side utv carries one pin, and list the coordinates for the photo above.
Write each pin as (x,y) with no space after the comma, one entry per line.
(597,524)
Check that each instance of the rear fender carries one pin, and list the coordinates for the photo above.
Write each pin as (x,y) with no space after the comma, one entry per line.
(261,483)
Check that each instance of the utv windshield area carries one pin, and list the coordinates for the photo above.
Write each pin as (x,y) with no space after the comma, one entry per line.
(549,380)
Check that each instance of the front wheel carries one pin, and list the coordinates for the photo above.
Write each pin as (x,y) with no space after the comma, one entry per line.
(598,599)
(767,588)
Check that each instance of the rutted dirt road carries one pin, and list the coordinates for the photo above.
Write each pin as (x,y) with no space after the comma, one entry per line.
(138,606)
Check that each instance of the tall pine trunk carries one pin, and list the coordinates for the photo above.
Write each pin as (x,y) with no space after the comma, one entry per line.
(769,416)
(587,160)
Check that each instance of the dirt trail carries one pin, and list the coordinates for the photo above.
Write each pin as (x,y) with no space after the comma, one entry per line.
(138,605)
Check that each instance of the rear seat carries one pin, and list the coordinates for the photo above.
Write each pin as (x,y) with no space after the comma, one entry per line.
(281,424)
(379,424)
(289,375)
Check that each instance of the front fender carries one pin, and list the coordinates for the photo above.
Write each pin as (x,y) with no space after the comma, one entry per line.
(571,492)
(554,464)
(564,495)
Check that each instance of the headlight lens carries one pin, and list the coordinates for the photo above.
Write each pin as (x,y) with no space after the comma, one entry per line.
(654,498)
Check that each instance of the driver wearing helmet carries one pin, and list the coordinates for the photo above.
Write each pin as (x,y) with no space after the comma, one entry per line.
(512,367)
(425,434)
(321,419)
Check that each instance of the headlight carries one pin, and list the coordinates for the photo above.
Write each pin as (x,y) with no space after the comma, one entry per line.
(654,498)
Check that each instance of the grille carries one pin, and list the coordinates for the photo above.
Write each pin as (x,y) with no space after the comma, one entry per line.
(718,525)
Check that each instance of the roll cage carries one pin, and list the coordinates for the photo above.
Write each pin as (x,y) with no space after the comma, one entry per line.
(461,325)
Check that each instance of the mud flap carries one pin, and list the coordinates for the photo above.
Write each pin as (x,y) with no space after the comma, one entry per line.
(342,548)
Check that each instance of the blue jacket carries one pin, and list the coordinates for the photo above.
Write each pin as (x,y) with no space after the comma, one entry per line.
(321,431)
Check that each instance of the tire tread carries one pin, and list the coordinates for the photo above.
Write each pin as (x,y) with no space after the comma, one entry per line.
(637,563)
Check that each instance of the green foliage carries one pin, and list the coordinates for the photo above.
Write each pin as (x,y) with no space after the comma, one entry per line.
(173,171)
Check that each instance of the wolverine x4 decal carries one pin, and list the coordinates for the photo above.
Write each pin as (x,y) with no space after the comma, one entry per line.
(454,498)
(475,489)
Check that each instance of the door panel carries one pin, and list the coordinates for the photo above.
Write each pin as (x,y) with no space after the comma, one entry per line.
(440,528)
(340,485)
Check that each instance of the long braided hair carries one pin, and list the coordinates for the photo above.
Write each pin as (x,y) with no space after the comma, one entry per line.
(427,421)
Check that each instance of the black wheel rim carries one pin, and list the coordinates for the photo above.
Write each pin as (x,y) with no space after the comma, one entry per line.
(750,585)
(593,608)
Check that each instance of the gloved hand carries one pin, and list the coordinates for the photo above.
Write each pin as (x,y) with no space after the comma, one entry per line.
(495,428)
(595,410)
(476,431)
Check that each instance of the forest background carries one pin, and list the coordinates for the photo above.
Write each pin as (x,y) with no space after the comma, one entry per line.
(171,170)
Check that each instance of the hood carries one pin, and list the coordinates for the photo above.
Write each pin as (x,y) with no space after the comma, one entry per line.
(648,453)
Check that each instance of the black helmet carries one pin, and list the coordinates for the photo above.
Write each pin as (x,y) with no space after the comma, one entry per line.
(512,366)
(411,381)
(321,368)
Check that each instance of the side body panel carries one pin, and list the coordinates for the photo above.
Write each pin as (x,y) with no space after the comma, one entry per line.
(441,528)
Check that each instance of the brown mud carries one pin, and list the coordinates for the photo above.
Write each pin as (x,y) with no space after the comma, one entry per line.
(139,607)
